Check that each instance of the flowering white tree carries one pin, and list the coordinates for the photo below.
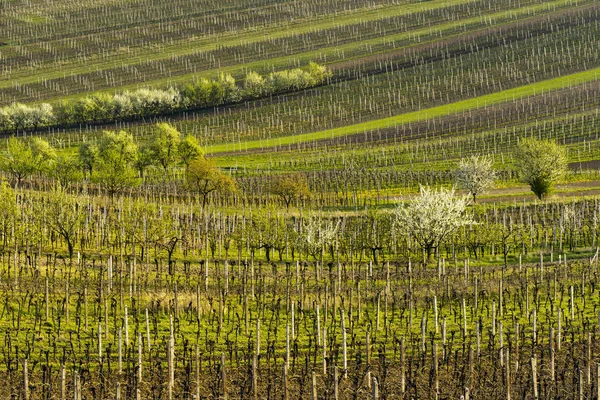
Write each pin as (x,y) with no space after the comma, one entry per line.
(475,174)
(317,234)
(432,216)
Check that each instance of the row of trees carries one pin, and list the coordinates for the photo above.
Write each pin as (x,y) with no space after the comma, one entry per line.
(104,107)
(116,161)
(435,222)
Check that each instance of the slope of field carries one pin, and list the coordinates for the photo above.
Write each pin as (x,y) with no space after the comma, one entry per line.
(124,274)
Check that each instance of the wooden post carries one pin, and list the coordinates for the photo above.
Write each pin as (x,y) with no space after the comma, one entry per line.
(25,380)
(534,378)
(126,328)
(517,347)
(76,387)
(580,384)
(598,381)
(559,333)
(344,345)
(402,368)
(464,315)
(197,362)
(318,326)
(508,374)
(287,345)
(572,302)
(377,312)
(314,386)
(223,376)
(120,351)
(257,337)
(423,334)
(435,371)
(285,382)
(85,308)
(254,379)
(63,382)
(435,314)
(478,339)
(47,301)
(140,344)
(368,347)
(335,383)
(147,331)
(171,367)
(99,342)
(534,327)
(552,355)
(589,358)
(470,377)
(375,389)
(324,351)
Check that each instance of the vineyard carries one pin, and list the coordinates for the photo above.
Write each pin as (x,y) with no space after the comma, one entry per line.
(265,199)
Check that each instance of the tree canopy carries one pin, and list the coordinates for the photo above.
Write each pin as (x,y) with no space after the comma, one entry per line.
(541,163)
(204,177)
(432,216)
(475,174)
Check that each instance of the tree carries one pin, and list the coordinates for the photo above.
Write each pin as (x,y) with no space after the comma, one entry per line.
(42,116)
(6,122)
(88,157)
(431,217)
(17,160)
(204,177)
(116,149)
(85,110)
(318,73)
(63,215)
(22,159)
(117,152)
(198,94)
(66,170)
(540,164)
(189,149)
(475,174)
(9,213)
(21,116)
(266,229)
(318,233)
(373,232)
(291,187)
(165,144)
(44,155)
(145,158)
(254,85)
(225,90)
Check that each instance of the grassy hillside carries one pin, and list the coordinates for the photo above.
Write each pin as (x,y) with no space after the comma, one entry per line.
(273,254)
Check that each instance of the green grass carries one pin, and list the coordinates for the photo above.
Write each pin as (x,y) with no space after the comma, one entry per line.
(421,115)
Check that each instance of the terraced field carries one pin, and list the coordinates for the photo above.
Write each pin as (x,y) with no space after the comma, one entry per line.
(213,200)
